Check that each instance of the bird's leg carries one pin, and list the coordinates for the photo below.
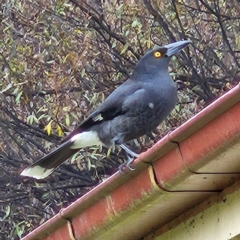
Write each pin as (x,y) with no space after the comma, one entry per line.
(130,157)
(129,151)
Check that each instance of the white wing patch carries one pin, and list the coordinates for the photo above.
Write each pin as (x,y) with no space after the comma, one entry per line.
(85,139)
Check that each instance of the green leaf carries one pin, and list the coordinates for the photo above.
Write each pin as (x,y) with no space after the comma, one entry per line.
(67,120)
(19,229)
(135,23)
(178,108)
(31,119)
(83,72)
(7,213)
(114,44)
(18,97)
(73,159)
(125,47)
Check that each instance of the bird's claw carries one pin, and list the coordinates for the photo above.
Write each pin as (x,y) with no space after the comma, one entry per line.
(126,165)
(130,167)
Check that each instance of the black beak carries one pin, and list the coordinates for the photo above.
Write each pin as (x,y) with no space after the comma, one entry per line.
(173,48)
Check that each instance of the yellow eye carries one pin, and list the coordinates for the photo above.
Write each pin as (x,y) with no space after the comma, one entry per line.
(157,54)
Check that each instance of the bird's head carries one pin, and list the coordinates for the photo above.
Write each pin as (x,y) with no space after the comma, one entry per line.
(159,57)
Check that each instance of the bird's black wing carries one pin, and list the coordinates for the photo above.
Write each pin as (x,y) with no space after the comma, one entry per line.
(110,108)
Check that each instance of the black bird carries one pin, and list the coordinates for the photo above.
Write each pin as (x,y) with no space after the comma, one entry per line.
(135,108)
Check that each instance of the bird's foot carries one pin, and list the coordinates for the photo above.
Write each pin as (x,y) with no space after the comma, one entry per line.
(126,164)
(130,158)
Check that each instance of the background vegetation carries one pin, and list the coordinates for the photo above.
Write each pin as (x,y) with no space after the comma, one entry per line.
(59,59)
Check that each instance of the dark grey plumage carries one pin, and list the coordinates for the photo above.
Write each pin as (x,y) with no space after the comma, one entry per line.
(135,108)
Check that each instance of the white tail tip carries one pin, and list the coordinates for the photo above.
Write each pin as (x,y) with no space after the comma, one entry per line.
(36,172)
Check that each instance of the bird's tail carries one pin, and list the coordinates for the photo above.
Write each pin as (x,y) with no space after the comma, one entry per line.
(46,165)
